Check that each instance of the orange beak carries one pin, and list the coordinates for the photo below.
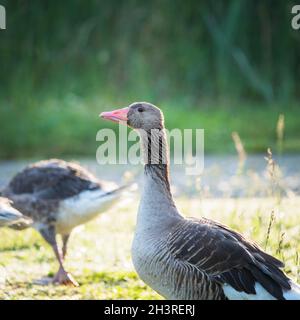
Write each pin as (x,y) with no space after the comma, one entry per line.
(118,115)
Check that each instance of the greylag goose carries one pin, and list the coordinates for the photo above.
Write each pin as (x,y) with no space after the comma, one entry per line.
(187,258)
(58,196)
(10,216)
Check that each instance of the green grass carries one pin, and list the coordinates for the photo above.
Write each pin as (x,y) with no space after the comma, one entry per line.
(99,252)
(67,126)
(217,67)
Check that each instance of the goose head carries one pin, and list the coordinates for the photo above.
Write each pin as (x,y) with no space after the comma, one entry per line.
(8,214)
(5,204)
(138,115)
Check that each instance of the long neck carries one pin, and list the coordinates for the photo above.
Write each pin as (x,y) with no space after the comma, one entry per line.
(156,158)
(157,202)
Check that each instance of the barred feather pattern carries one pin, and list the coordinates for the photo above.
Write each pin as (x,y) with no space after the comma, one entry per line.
(172,278)
(197,259)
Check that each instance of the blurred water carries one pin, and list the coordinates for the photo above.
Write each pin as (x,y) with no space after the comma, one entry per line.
(219,179)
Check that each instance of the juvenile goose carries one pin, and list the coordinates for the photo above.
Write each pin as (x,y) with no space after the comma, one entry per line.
(9,216)
(190,258)
(58,196)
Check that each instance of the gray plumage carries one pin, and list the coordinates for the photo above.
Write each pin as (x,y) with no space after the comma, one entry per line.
(58,196)
(184,258)
(194,258)
(38,190)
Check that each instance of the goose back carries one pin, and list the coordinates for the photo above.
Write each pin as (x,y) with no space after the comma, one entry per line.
(42,188)
(52,179)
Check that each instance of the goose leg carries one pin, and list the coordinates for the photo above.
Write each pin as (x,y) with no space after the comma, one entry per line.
(62,276)
(65,239)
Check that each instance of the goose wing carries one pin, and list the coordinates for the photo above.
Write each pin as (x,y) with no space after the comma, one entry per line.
(53,179)
(226,257)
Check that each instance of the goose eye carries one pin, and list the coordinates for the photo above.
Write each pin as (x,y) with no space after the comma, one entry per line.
(140,109)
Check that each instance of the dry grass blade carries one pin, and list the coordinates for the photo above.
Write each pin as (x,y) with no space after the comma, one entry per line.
(274,172)
(270,163)
(297,263)
(240,150)
(280,132)
(271,221)
(280,245)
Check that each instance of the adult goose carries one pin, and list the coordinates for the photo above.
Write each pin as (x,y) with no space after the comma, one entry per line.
(10,216)
(190,258)
(58,196)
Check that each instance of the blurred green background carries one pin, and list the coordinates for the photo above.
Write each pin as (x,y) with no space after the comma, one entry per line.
(223,66)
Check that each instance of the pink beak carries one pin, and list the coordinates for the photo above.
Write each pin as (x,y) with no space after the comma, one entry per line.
(118,115)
